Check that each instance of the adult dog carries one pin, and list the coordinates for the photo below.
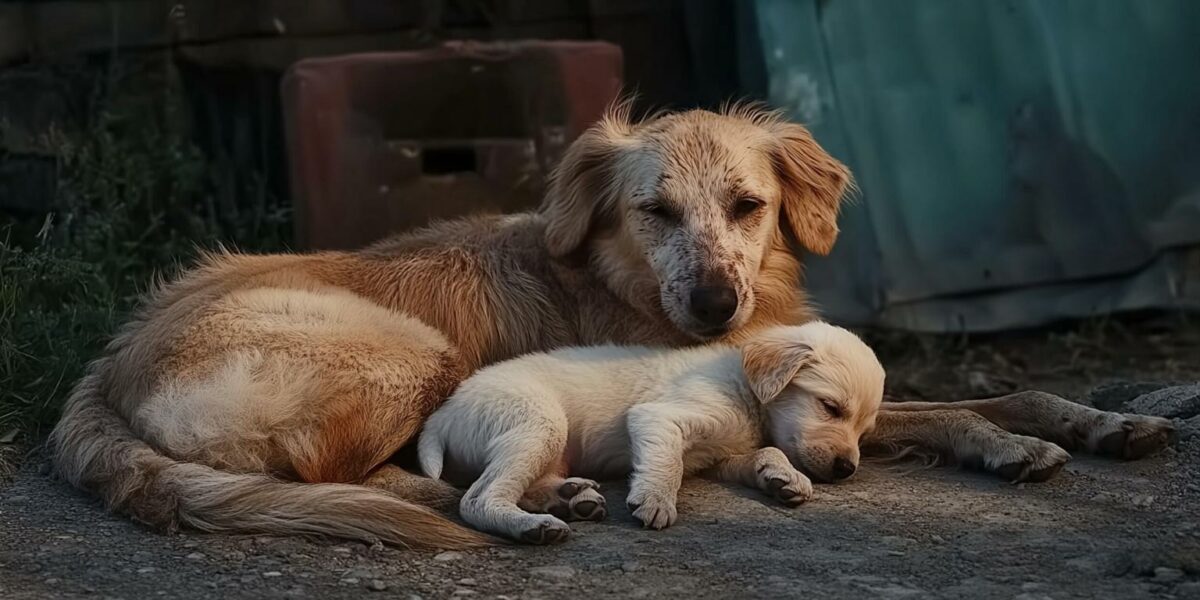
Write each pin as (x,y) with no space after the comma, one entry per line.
(267,393)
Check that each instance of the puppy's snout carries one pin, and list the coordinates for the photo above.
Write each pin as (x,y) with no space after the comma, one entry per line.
(843,468)
(713,305)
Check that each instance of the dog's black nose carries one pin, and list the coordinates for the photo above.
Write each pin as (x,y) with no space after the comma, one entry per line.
(843,468)
(713,305)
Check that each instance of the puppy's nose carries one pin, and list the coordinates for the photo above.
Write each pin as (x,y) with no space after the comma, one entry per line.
(713,305)
(843,467)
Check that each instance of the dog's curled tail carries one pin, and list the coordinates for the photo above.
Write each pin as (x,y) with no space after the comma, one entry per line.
(94,448)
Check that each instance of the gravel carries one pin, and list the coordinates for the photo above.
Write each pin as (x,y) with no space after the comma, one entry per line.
(1102,528)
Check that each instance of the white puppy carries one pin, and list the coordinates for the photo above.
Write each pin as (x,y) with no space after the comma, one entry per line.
(518,428)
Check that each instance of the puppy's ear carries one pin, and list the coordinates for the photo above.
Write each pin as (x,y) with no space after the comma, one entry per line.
(813,184)
(770,364)
(583,188)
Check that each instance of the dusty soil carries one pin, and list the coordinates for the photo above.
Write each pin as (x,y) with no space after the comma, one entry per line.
(1102,529)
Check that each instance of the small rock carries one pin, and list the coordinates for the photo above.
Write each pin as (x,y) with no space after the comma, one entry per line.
(145,570)
(1111,396)
(1028,596)
(237,555)
(272,574)
(195,556)
(554,572)
(630,566)
(52,581)
(190,545)
(1143,501)
(463,592)
(377,585)
(467,581)
(341,550)
(349,580)
(1174,402)
(1167,574)
(448,556)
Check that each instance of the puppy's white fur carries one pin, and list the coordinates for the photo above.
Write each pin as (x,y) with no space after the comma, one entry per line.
(519,427)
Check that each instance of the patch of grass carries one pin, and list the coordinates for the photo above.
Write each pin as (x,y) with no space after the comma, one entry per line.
(134,199)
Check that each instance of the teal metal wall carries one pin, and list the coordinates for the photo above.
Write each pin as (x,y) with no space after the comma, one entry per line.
(1020,161)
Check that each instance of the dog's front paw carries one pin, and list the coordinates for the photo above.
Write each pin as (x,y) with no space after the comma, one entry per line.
(1030,460)
(1131,437)
(785,483)
(655,510)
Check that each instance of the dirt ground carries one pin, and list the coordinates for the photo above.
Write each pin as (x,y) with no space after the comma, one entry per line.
(1102,529)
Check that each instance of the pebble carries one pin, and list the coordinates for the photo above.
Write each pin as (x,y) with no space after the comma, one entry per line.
(630,566)
(555,572)
(272,574)
(349,580)
(377,585)
(145,570)
(1143,501)
(463,592)
(448,556)
(195,556)
(52,581)
(341,550)
(1167,574)
(467,581)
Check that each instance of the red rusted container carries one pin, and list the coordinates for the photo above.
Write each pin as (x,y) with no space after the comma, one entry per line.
(383,142)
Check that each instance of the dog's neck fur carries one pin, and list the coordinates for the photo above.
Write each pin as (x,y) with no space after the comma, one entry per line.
(525,301)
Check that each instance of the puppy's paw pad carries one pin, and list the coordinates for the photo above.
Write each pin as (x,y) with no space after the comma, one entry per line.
(546,531)
(1136,436)
(588,505)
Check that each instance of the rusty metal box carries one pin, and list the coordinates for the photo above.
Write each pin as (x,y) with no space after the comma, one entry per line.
(383,142)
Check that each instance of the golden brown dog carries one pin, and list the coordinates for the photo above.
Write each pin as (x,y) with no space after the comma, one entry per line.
(266,393)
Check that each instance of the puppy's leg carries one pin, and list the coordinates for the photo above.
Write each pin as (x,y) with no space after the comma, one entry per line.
(434,493)
(968,438)
(659,434)
(518,458)
(1068,424)
(568,498)
(769,470)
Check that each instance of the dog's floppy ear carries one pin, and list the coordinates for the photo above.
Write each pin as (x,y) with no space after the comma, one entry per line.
(813,184)
(770,364)
(583,187)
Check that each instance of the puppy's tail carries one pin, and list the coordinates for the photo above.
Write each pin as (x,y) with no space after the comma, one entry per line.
(431,451)
(94,449)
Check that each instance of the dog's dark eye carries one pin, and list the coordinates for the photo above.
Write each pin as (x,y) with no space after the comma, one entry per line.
(831,407)
(657,210)
(745,207)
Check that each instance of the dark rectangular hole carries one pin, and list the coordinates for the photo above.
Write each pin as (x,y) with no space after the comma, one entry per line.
(444,161)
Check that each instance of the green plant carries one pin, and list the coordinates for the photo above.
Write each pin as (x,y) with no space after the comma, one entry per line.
(134,200)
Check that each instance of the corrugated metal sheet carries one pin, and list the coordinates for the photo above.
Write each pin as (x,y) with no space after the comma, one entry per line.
(1020,161)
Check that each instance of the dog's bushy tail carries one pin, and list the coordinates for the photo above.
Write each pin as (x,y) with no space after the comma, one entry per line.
(94,448)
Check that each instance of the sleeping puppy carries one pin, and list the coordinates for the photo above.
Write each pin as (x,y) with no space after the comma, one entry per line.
(798,396)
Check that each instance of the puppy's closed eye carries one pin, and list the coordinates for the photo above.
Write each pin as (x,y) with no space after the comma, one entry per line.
(833,409)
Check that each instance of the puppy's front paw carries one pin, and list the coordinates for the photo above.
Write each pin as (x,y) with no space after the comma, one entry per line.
(654,509)
(785,483)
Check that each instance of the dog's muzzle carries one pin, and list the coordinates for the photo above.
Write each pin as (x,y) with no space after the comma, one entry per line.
(713,306)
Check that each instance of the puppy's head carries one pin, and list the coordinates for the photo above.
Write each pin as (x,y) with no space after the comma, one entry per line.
(678,212)
(822,387)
